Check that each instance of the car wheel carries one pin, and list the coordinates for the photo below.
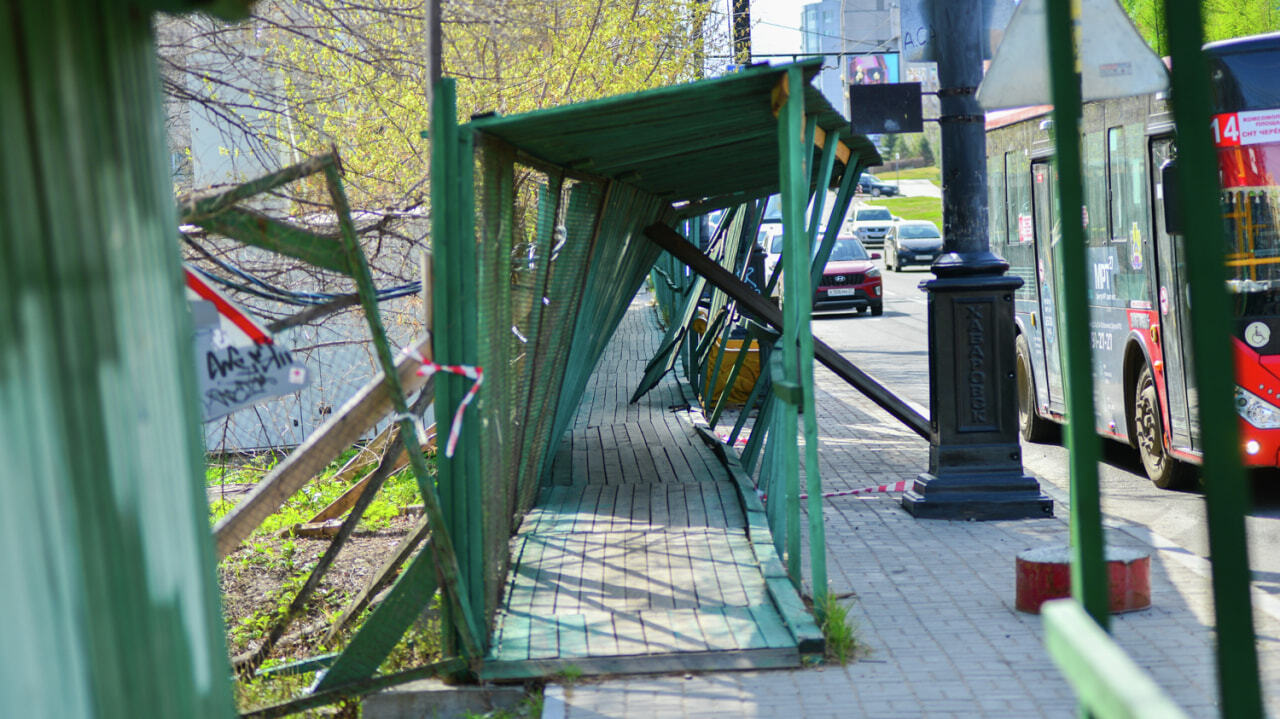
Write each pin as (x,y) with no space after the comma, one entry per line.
(1031,425)
(1165,471)
(877,309)
(875,192)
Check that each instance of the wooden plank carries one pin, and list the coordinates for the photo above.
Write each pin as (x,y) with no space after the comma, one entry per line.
(771,626)
(799,621)
(516,631)
(572,636)
(1105,678)
(641,518)
(710,661)
(731,503)
(684,592)
(687,630)
(588,509)
(758,306)
(595,456)
(339,506)
(605,509)
(746,631)
(705,583)
(340,431)
(385,574)
(678,504)
(629,632)
(623,507)
(601,638)
(714,503)
(544,636)
(662,587)
(569,598)
(716,630)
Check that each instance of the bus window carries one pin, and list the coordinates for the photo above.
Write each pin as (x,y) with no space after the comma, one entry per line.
(1095,190)
(1018,194)
(996,199)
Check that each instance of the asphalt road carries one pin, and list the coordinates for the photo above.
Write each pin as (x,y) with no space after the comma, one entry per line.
(894,349)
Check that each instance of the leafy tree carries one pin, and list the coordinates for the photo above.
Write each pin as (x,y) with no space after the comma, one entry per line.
(1223,19)
(926,151)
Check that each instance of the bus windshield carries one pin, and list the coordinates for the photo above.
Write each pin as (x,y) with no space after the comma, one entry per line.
(1250,213)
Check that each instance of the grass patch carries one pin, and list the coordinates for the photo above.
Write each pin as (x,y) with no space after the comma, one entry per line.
(888,174)
(914,208)
(841,635)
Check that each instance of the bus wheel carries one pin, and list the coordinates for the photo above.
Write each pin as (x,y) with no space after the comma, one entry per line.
(1032,427)
(1165,471)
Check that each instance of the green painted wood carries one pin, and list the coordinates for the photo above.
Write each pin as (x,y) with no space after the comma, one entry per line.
(629,633)
(839,208)
(112,603)
(454,333)
(687,630)
(797,300)
(364,686)
(709,661)
(301,666)
(385,627)
(803,630)
(1109,684)
(824,168)
(601,639)
(253,228)
(746,632)
(771,626)
(516,632)
(716,630)
(1226,489)
(572,635)
(1088,566)
(544,636)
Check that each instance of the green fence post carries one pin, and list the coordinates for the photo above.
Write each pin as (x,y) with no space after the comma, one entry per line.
(1226,488)
(112,605)
(1088,567)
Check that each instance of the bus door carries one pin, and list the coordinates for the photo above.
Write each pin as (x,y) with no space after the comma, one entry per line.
(1175,330)
(1045,209)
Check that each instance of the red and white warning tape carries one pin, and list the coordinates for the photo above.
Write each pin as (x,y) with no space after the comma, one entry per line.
(724,437)
(895,487)
(472,373)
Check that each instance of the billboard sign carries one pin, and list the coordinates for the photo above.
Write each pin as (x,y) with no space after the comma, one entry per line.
(877,69)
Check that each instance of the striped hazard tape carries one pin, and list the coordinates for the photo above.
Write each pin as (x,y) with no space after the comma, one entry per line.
(476,374)
(895,487)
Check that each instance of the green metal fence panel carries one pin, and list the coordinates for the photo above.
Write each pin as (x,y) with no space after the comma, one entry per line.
(112,607)
(1088,568)
(1110,685)
(1226,486)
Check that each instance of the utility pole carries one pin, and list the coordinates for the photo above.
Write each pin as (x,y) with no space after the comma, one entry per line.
(740,20)
(433,50)
(975,459)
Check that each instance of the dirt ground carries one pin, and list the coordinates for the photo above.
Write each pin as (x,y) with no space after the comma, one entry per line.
(262,576)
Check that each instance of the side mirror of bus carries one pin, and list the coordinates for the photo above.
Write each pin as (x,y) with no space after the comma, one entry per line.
(1169,189)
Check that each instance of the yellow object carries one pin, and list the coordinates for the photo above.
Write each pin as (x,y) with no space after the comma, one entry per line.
(747,376)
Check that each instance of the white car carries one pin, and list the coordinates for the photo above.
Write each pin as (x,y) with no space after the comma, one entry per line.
(870,224)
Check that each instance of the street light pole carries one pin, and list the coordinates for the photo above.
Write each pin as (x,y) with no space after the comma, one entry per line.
(975,460)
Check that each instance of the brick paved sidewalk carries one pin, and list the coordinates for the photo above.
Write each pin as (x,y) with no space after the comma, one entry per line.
(933,606)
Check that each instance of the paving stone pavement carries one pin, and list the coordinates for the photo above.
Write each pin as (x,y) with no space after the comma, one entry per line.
(932,602)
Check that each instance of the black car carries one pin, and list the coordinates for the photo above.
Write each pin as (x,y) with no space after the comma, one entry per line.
(874,186)
(911,242)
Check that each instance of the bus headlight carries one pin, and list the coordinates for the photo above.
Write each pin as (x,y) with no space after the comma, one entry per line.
(1255,410)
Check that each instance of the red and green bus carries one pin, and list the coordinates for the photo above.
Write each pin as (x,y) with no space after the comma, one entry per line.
(1144,389)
